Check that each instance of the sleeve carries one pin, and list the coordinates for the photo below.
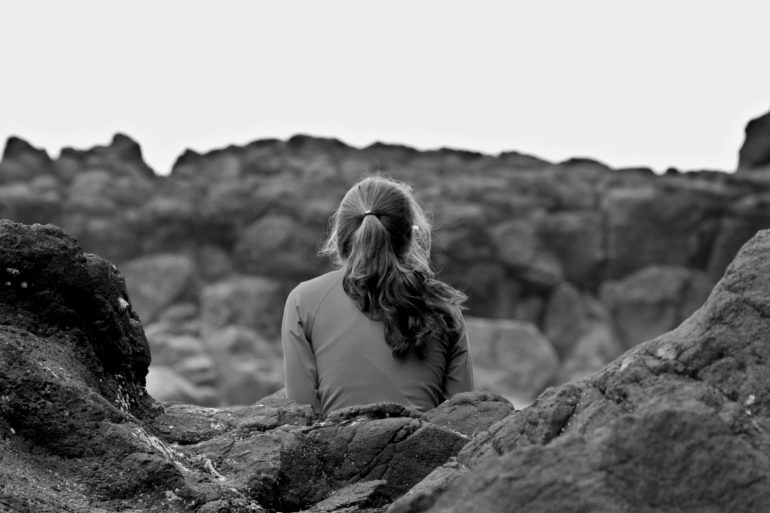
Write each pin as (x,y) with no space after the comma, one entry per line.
(299,365)
(460,369)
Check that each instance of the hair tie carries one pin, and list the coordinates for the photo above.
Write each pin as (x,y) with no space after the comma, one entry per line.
(369,213)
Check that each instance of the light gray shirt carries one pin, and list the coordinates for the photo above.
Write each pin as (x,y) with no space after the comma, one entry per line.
(335,356)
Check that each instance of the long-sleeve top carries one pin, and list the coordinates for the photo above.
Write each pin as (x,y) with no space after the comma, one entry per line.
(335,356)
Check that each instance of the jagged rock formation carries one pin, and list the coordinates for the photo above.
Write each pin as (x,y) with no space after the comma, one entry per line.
(79,433)
(593,258)
(676,424)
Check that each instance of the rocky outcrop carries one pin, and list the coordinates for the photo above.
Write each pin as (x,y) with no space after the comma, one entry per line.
(755,151)
(679,423)
(79,432)
(228,233)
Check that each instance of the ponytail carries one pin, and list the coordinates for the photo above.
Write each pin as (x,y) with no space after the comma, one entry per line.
(381,239)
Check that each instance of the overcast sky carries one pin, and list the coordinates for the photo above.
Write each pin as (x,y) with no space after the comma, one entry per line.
(652,83)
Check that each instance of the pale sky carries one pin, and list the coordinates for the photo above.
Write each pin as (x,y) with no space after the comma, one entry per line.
(648,83)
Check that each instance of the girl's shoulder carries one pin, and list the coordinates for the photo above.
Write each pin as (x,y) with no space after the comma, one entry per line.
(315,289)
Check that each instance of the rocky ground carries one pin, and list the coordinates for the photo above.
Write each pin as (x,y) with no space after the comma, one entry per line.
(577,261)
(676,424)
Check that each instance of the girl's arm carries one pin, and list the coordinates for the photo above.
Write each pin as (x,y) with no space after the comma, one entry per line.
(299,364)
(460,369)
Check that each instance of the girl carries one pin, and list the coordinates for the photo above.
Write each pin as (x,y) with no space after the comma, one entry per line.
(381,327)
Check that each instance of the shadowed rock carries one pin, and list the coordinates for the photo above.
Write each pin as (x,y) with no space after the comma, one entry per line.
(679,423)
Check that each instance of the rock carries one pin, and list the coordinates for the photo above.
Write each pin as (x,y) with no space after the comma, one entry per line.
(465,251)
(179,313)
(166,384)
(24,203)
(597,347)
(744,217)
(249,367)
(658,429)
(49,284)
(111,236)
(291,468)
(170,224)
(21,161)
(652,225)
(73,360)
(123,156)
(755,151)
(98,191)
(278,244)
(569,316)
(470,412)
(214,262)
(653,301)
(577,240)
(156,281)
(188,424)
(251,301)
(691,451)
(364,497)
(422,495)
(396,449)
(511,358)
(520,249)
(187,356)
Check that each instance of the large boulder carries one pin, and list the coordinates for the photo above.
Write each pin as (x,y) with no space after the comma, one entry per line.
(670,224)
(653,301)
(50,285)
(511,358)
(25,203)
(252,301)
(21,161)
(156,281)
(521,250)
(679,423)
(577,239)
(743,218)
(279,246)
(569,315)
(248,366)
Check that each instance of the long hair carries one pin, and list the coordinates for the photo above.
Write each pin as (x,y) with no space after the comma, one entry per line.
(380,237)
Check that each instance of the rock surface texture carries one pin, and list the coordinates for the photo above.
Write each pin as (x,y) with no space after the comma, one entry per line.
(568,248)
(677,424)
